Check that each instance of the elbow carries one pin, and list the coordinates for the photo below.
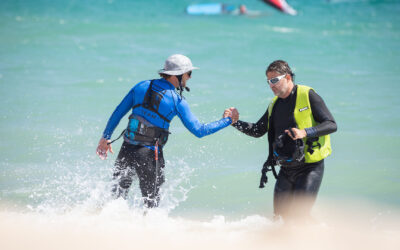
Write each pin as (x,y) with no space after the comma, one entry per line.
(199,131)
(257,135)
(199,135)
(334,129)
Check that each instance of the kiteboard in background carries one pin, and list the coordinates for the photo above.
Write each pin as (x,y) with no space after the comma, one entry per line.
(221,8)
(209,9)
(281,5)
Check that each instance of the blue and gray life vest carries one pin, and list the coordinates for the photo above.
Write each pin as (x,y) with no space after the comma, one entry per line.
(142,132)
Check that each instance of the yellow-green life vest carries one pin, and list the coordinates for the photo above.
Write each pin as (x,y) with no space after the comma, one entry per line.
(304,119)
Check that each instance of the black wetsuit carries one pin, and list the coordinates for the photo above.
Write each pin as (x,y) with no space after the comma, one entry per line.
(139,160)
(304,179)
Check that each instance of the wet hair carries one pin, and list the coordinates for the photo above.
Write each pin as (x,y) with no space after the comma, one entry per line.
(280,67)
(165,76)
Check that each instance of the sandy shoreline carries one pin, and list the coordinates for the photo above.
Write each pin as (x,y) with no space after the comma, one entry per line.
(111,229)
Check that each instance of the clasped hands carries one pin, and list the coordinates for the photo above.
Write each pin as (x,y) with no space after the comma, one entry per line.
(233,113)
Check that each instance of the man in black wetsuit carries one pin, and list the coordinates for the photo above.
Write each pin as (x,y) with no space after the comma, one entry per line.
(299,112)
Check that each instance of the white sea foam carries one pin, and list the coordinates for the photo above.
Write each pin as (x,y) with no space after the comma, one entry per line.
(77,186)
(117,225)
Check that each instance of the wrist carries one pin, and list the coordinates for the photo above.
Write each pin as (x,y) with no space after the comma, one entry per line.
(236,124)
(104,140)
(310,132)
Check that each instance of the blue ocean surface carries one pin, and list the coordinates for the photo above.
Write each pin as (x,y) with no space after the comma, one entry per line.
(65,66)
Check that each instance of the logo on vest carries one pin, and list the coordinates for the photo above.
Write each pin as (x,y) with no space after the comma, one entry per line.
(302,109)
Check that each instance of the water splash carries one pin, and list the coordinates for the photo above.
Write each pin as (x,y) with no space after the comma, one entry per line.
(81,186)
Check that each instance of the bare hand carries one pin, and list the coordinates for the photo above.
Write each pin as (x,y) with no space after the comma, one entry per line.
(298,133)
(235,115)
(103,147)
(227,113)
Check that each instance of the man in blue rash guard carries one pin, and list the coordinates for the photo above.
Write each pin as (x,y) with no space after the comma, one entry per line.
(154,103)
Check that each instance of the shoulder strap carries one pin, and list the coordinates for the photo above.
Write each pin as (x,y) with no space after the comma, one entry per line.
(149,101)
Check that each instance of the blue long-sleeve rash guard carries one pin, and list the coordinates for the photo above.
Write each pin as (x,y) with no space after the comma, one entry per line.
(171,105)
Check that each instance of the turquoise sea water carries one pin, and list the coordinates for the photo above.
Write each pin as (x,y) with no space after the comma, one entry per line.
(65,66)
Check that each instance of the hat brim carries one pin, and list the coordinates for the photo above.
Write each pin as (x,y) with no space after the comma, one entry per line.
(176,72)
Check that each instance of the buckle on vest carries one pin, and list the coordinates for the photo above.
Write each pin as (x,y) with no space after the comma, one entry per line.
(310,145)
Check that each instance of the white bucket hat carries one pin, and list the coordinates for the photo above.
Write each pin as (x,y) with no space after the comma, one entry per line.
(177,65)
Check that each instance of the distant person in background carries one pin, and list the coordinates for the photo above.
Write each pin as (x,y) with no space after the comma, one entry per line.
(227,8)
(242,9)
(154,103)
(231,9)
(298,124)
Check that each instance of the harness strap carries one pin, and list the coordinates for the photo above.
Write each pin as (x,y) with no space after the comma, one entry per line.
(157,169)
(108,143)
(264,177)
(180,84)
(147,103)
(150,131)
(265,169)
(156,151)
(310,145)
(269,165)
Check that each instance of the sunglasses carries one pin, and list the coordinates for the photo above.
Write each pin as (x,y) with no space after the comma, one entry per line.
(275,80)
(189,73)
